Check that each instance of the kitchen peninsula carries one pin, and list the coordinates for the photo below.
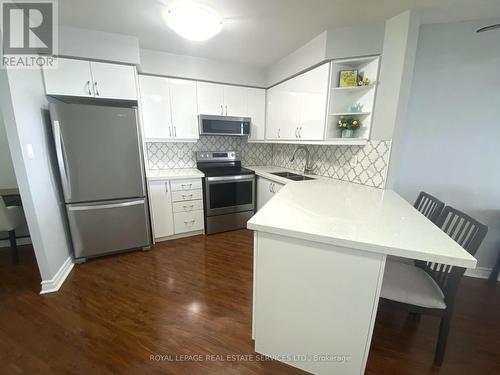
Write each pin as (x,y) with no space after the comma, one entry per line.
(320,249)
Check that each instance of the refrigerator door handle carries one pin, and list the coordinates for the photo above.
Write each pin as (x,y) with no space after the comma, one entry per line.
(106,206)
(141,151)
(61,160)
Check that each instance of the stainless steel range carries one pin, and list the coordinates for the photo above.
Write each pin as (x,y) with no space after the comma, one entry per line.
(229,191)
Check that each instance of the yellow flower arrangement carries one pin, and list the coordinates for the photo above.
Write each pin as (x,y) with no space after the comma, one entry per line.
(348,123)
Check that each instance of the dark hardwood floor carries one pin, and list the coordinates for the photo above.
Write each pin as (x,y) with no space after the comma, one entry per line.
(193,297)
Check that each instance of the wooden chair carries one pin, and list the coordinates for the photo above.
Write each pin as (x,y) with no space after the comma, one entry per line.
(429,206)
(430,288)
(11,218)
(496,270)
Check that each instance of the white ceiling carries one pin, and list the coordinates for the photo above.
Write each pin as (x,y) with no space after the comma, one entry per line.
(256,32)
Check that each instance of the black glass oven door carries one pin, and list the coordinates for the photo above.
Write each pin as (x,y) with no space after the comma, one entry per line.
(230,194)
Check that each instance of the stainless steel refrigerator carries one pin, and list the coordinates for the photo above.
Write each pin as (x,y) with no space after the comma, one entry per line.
(100,161)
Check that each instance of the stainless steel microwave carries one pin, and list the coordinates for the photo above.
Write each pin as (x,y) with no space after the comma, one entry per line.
(224,125)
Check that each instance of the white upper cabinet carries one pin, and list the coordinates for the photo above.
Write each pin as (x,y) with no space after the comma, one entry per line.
(155,107)
(210,99)
(183,108)
(112,81)
(70,78)
(283,112)
(313,86)
(168,108)
(296,108)
(256,110)
(82,78)
(235,101)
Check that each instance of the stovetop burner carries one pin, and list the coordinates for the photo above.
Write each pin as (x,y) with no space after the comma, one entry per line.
(224,171)
(218,163)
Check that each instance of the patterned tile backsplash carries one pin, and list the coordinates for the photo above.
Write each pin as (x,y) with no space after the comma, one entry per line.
(365,165)
(164,155)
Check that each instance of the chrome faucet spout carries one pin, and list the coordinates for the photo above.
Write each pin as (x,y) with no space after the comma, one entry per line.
(307,167)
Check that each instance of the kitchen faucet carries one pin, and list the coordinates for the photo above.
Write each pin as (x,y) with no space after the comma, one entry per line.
(307,168)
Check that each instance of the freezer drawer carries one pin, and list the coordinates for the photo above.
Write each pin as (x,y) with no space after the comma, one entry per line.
(110,226)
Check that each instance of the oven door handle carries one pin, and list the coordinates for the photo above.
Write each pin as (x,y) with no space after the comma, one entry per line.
(249,177)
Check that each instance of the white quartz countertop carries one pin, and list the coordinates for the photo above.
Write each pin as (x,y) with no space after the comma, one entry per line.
(172,174)
(356,216)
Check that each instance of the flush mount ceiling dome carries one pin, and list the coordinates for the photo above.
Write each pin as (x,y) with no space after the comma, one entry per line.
(194,22)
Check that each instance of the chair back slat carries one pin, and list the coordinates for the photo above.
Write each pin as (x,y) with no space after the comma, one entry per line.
(429,206)
(468,233)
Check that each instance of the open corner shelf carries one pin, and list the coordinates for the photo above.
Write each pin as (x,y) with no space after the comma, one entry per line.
(347,141)
(350,114)
(354,88)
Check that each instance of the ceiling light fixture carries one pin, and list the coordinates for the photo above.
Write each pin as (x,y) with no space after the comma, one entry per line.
(194,22)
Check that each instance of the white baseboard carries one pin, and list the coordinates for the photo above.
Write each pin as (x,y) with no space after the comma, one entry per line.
(480,273)
(20,241)
(177,236)
(53,285)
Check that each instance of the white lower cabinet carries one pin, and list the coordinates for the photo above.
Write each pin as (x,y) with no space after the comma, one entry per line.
(266,190)
(186,195)
(188,221)
(176,207)
(161,209)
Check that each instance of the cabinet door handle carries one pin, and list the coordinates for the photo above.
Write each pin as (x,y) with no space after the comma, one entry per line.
(170,131)
(296,130)
(300,131)
(273,188)
(226,110)
(188,185)
(190,208)
(221,110)
(189,222)
(88,87)
(96,90)
(166,186)
(279,132)
(270,187)
(175,131)
(188,195)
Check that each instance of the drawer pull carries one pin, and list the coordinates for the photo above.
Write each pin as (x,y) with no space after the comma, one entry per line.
(189,222)
(190,208)
(187,195)
(188,185)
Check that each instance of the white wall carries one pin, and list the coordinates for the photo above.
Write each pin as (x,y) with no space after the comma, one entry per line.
(396,70)
(360,40)
(310,54)
(168,64)
(450,141)
(335,43)
(98,45)
(23,106)
(7,176)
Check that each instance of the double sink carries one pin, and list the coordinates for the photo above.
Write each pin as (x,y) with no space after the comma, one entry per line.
(292,176)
